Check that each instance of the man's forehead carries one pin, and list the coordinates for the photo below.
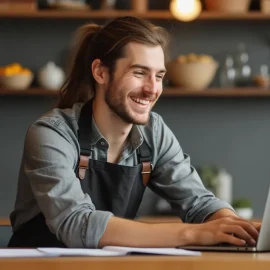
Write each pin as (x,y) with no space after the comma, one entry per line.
(134,47)
(140,54)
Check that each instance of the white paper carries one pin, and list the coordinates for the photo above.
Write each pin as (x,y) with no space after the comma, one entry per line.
(19,253)
(80,252)
(116,251)
(158,251)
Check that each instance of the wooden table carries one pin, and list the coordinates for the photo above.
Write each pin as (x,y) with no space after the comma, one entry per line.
(208,261)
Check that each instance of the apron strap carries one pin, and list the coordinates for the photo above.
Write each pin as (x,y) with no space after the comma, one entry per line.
(144,156)
(83,166)
(147,168)
(84,133)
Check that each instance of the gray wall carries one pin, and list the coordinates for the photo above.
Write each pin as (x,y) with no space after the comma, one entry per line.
(233,133)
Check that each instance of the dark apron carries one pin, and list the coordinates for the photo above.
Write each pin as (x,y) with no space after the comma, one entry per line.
(112,187)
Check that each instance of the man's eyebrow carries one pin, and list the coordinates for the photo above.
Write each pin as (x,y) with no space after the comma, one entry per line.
(146,68)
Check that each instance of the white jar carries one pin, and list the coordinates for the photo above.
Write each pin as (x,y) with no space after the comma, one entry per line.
(224,186)
(246,213)
(51,77)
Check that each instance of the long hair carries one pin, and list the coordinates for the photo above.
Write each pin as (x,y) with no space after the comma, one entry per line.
(105,43)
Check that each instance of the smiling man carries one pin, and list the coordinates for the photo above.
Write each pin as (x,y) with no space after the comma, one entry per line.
(86,163)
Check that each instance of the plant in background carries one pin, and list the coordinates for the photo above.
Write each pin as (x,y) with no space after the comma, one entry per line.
(209,175)
(242,203)
(217,180)
(243,207)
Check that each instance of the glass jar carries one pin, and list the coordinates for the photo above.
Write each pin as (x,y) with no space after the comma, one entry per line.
(243,70)
(227,73)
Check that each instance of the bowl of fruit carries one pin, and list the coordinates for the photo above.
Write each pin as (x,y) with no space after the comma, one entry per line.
(193,72)
(15,77)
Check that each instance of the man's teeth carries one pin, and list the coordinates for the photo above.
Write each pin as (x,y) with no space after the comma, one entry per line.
(141,101)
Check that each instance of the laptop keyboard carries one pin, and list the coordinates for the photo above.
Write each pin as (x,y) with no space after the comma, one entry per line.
(231,245)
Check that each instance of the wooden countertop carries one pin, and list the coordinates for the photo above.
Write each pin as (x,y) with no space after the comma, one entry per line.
(208,261)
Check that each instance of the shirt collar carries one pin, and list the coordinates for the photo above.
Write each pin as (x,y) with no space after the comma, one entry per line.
(96,134)
(135,136)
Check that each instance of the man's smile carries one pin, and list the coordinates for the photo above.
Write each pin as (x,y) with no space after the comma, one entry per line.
(141,101)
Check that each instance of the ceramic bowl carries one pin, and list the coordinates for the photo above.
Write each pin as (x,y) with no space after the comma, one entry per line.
(193,75)
(16,82)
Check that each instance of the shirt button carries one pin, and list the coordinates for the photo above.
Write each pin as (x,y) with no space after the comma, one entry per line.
(102,143)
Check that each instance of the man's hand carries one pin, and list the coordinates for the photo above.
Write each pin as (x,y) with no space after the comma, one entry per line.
(230,229)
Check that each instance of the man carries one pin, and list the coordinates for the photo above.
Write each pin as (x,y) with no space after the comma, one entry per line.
(86,164)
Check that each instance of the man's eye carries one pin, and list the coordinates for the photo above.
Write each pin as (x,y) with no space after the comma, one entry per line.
(139,73)
(159,77)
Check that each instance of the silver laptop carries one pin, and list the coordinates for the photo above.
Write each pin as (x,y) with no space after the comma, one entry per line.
(263,243)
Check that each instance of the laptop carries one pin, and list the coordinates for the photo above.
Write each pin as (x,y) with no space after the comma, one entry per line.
(263,243)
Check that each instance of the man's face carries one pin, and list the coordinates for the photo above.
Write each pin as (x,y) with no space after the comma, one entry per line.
(136,83)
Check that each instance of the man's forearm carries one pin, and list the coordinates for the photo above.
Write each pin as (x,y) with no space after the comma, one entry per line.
(123,232)
(229,229)
(138,234)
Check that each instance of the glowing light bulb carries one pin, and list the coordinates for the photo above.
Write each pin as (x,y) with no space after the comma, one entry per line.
(185,10)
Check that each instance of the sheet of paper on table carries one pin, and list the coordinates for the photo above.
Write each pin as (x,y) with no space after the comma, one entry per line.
(118,251)
(22,253)
(106,251)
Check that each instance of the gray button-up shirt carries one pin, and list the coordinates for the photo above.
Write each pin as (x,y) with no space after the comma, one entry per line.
(48,183)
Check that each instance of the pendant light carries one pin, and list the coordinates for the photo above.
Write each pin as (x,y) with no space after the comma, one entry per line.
(185,10)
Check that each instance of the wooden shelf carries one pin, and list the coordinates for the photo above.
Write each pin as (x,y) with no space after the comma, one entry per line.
(101,14)
(29,92)
(167,92)
(217,92)
(4,221)
(252,15)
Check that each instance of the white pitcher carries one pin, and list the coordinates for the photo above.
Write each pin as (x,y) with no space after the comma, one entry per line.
(51,77)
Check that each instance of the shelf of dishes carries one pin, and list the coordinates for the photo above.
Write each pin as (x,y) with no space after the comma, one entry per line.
(151,14)
(82,9)
(241,92)
(187,75)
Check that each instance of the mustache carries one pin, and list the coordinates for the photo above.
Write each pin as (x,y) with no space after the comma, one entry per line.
(146,96)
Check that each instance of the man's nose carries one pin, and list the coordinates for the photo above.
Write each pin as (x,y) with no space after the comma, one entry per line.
(151,85)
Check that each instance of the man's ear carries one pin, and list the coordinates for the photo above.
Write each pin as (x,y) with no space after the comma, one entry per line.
(99,71)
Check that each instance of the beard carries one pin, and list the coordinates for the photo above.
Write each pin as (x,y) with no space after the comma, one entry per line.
(115,99)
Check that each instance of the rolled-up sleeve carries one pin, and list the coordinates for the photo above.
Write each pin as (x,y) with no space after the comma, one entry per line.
(175,180)
(50,158)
